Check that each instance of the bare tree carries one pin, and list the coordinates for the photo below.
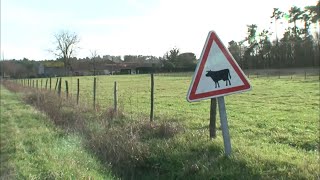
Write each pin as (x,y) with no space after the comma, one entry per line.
(66,45)
(94,56)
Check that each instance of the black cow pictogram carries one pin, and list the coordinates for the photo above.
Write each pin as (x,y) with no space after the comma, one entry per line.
(216,76)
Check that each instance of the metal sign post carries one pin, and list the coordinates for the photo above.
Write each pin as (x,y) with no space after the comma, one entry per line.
(224,125)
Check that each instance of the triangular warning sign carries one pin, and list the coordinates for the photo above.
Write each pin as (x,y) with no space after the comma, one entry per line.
(217,73)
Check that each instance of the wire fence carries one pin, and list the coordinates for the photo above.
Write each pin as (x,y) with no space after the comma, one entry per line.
(133,92)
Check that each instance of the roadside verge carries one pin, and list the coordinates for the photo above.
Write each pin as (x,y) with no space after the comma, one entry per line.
(33,148)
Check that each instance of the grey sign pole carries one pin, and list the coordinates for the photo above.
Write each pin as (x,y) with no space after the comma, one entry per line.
(224,125)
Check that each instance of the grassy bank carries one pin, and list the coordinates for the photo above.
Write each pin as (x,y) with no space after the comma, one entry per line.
(33,148)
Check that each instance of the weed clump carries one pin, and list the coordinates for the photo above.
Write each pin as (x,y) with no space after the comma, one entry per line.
(159,130)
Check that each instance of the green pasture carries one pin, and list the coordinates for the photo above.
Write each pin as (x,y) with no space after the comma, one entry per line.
(274,128)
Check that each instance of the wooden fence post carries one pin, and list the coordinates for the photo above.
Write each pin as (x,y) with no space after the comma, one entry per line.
(38,98)
(50,83)
(32,83)
(67,89)
(152,98)
(55,87)
(78,90)
(305,75)
(40,83)
(94,92)
(213,115)
(59,87)
(46,83)
(115,97)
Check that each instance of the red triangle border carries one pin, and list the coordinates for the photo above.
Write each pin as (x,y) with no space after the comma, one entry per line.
(192,94)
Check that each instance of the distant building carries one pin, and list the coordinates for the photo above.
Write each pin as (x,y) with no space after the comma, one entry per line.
(136,68)
(50,70)
(87,68)
(41,69)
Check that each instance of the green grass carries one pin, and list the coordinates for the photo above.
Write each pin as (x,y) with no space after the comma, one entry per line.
(33,148)
(274,128)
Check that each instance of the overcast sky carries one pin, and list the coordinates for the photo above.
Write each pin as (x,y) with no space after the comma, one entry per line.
(135,27)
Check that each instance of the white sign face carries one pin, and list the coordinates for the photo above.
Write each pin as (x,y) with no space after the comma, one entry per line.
(217,73)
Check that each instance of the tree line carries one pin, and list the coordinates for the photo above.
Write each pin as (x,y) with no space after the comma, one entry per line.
(298,46)
(171,62)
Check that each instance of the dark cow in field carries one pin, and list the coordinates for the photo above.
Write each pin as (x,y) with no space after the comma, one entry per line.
(219,75)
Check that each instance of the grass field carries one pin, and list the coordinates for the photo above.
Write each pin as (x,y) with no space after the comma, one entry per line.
(33,148)
(274,128)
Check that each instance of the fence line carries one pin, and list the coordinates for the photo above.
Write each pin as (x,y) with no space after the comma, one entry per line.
(128,97)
